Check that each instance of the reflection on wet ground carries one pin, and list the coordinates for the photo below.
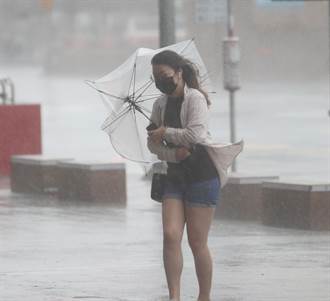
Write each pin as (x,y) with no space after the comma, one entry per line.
(53,250)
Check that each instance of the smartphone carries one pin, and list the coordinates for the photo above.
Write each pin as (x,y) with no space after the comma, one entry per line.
(151,127)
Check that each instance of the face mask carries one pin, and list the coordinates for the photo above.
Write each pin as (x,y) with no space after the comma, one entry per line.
(166,85)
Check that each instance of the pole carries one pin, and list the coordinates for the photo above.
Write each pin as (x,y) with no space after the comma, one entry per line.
(329,41)
(230,20)
(166,22)
(166,10)
(230,32)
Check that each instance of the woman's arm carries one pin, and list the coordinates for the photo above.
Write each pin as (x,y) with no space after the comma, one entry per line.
(163,153)
(196,128)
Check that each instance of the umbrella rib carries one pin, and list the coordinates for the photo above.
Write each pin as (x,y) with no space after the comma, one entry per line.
(132,80)
(185,47)
(134,72)
(145,84)
(138,108)
(125,111)
(144,108)
(145,89)
(111,95)
(146,99)
(153,94)
(138,134)
(133,76)
(119,120)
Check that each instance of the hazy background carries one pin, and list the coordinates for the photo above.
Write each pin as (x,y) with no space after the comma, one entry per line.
(48,48)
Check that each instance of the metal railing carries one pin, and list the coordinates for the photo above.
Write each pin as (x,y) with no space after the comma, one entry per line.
(7,91)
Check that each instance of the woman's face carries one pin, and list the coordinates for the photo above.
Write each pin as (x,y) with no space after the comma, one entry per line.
(166,78)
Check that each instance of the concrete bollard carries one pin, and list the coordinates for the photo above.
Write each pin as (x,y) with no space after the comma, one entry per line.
(296,205)
(241,197)
(34,173)
(92,181)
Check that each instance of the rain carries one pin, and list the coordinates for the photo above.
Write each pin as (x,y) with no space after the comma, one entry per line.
(57,248)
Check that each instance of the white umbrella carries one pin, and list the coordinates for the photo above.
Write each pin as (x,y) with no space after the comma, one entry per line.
(129,92)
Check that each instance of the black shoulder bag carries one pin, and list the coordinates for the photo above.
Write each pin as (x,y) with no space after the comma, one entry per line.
(158,179)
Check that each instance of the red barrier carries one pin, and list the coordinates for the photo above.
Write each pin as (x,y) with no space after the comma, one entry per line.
(20,132)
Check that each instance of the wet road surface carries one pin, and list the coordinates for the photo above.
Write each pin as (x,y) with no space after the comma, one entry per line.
(54,250)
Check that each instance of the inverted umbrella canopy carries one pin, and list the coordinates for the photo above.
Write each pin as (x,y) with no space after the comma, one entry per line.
(129,92)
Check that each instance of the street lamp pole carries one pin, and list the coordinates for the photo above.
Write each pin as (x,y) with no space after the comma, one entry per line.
(230,20)
(231,58)
(166,11)
(329,38)
(166,22)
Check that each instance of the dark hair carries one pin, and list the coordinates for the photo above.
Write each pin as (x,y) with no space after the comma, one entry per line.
(190,73)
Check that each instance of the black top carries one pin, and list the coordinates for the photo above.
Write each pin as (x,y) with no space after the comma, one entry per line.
(198,166)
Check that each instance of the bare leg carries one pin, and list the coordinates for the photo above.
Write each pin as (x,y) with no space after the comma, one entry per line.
(198,224)
(173,226)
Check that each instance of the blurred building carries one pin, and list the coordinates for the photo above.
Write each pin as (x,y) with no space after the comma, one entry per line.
(80,36)
(61,35)
(283,39)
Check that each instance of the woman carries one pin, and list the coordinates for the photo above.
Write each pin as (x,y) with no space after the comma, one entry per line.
(193,179)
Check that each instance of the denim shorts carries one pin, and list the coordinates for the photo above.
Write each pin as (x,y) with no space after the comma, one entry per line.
(198,194)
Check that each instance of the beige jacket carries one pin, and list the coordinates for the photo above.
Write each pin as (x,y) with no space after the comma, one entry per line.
(194,119)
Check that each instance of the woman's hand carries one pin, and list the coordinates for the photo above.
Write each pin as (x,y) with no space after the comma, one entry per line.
(182,153)
(157,135)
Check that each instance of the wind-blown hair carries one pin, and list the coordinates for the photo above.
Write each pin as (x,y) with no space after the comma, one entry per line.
(190,72)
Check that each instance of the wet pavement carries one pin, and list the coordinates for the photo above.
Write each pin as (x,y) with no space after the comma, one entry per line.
(54,250)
